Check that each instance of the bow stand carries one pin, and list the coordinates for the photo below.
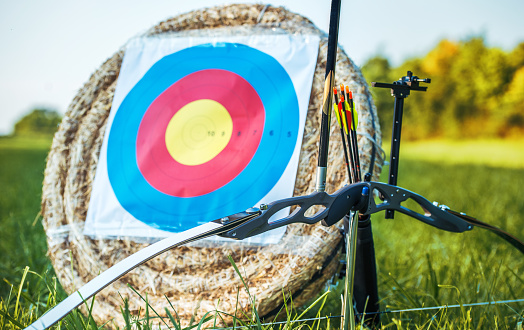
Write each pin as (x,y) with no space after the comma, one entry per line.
(400,90)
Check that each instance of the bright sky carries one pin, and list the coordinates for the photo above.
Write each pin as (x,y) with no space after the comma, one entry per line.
(50,48)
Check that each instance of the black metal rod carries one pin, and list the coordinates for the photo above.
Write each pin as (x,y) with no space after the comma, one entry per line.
(395,146)
(327,102)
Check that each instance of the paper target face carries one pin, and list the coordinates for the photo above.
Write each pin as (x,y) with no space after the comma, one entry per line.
(207,132)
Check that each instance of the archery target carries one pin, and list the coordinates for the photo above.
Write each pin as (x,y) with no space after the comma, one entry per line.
(200,129)
(207,131)
(198,132)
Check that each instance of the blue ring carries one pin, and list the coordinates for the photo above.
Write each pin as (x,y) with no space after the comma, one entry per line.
(171,213)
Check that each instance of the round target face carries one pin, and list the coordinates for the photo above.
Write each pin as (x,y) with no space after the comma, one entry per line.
(207,132)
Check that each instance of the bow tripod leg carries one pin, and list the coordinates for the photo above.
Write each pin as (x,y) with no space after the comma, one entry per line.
(365,278)
(360,282)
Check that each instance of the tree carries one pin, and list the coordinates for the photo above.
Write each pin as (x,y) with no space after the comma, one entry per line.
(475,91)
(511,115)
(38,121)
(516,57)
(378,69)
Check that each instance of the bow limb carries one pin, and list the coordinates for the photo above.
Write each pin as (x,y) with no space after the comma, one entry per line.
(123,267)
(518,244)
(439,216)
(393,198)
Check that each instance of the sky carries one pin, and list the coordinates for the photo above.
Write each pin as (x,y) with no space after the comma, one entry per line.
(50,48)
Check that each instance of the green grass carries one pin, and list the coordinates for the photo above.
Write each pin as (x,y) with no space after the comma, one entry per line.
(23,238)
(418,265)
(494,153)
(26,142)
(422,266)
(26,274)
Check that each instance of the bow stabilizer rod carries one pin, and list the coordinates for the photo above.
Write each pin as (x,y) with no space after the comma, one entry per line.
(329,82)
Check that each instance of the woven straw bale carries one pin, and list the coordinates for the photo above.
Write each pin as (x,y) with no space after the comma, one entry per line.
(199,276)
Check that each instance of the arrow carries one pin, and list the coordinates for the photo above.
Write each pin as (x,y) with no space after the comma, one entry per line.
(354,112)
(338,112)
(350,110)
(344,118)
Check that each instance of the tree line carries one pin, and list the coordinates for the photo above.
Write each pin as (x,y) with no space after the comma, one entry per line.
(40,121)
(475,91)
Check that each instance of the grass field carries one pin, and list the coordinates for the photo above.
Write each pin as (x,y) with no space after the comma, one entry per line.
(418,265)
(22,163)
(493,153)
(422,266)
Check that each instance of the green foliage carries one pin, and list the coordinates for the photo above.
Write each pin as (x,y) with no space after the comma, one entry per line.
(516,57)
(511,114)
(379,69)
(38,121)
(476,91)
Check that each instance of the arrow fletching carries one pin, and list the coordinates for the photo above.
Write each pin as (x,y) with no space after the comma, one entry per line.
(343,116)
(352,110)
(335,107)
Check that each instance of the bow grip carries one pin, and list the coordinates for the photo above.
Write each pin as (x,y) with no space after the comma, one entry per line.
(350,198)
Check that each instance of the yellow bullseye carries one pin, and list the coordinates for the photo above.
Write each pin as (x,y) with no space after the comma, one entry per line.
(198,132)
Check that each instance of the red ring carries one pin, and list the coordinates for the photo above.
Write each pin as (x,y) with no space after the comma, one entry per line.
(173,178)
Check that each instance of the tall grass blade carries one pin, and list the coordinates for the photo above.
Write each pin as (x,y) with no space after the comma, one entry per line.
(26,269)
(319,299)
(148,306)
(125,312)
(255,312)
(11,319)
(171,318)
(433,280)
(405,293)
(176,322)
